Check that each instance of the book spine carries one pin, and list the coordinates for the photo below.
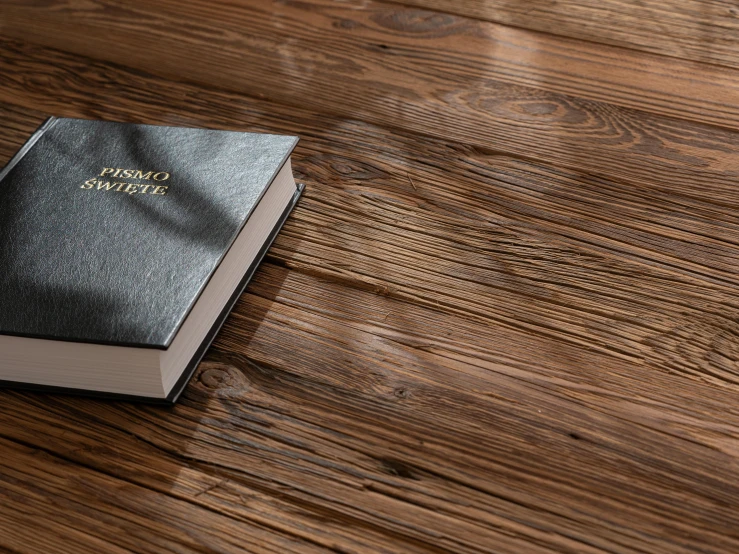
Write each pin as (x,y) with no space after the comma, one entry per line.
(45,126)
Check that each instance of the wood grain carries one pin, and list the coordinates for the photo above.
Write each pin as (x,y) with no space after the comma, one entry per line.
(593,139)
(406,67)
(685,29)
(500,325)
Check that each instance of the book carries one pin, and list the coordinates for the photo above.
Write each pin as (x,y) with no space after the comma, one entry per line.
(123,248)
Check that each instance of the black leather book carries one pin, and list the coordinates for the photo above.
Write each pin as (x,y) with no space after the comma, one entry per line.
(124,247)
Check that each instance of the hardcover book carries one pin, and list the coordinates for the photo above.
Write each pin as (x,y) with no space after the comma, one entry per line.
(124,247)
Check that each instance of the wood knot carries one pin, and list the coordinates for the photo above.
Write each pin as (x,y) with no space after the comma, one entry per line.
(550,109)
(401,392)
(345,24)
(342,168)
(220,377)
(415,21)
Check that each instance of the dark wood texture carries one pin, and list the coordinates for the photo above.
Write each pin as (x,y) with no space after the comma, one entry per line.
(504,317)
(699,30)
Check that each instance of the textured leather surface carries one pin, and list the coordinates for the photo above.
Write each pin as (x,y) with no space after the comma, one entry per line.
(111,267)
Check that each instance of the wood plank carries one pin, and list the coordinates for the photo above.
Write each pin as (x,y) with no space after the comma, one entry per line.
(487,449)
(686,29)
(259,493)
(437,74)
(53,505)
(661,154)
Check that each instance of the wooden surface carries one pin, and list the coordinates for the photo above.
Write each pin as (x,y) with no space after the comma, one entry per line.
(504,317)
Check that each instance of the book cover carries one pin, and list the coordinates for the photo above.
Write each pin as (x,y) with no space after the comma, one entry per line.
(109,231)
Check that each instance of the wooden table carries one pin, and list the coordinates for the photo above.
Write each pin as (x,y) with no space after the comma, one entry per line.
(504,318)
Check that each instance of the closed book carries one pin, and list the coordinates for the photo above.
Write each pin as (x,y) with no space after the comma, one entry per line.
(123,248)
